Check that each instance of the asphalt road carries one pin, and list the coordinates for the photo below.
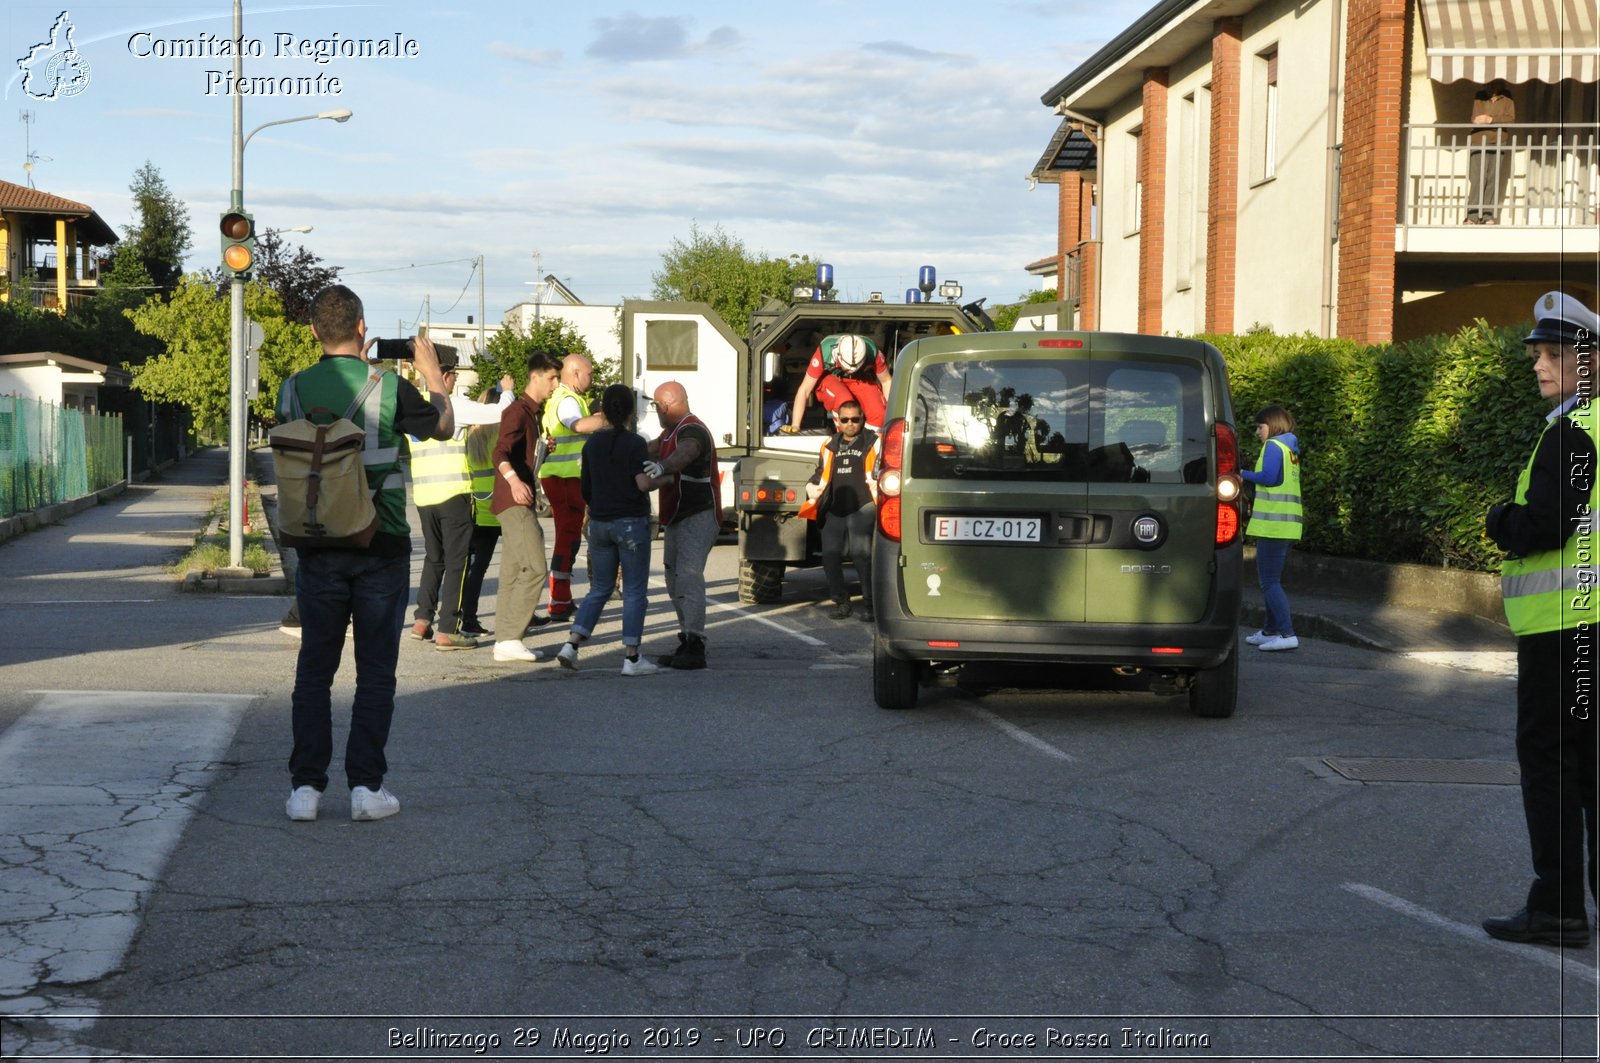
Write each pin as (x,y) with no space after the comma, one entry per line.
(750,861)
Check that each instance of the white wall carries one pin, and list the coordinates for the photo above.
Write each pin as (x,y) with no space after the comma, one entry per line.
(32,382)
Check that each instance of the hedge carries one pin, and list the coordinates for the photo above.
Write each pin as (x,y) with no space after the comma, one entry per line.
(1405,445)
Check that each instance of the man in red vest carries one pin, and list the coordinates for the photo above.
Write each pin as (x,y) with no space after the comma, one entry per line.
(683,466)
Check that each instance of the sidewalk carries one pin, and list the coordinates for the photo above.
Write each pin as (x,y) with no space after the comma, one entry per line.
(133,537)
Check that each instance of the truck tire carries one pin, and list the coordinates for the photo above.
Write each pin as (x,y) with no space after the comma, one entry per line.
(1214,693)
(894,681)
(760,582)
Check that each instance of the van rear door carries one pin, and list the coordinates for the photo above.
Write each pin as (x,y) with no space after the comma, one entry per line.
(994,492)
(1150,481)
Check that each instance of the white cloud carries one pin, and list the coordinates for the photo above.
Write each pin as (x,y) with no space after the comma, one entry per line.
(530,56)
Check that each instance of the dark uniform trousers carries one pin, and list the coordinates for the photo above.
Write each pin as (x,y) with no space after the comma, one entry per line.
(1557,705)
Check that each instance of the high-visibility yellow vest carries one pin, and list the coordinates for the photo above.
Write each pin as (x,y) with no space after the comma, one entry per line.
(483,496)
(1554,590)
(566,446)
(439,469)
(1277,513)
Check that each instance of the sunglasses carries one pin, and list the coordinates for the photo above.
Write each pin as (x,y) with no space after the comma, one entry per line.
(850,420)
(655,407)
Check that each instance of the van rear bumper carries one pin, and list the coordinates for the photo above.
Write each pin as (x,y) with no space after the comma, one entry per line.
(1204,643)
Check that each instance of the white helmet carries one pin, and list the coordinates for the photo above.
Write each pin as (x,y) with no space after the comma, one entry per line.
(850,352)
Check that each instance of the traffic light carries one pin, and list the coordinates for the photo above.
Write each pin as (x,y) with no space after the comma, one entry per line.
(238,243)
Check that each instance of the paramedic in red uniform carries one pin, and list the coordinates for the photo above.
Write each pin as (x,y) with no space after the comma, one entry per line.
(844,367)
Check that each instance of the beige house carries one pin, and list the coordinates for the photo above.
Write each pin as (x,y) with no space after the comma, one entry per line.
(1309,166)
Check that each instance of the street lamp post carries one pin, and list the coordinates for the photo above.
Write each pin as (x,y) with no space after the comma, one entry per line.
(238,420)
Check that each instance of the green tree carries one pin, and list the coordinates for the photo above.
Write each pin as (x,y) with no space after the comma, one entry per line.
(507,355)
(104,320)
(715,268)
(160,236)
(193,324)
(1005,317)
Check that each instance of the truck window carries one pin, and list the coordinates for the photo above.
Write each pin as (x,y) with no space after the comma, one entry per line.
(671,345)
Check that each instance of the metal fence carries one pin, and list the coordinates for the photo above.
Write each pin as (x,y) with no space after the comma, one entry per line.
(1534,176)
(49,454)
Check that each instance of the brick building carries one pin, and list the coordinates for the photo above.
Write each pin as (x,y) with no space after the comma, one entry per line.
(1308,166)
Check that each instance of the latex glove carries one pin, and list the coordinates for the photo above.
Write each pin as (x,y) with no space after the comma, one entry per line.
(813,491)
(654,469)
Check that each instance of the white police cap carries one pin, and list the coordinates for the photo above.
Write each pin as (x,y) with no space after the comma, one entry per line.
(1559,318)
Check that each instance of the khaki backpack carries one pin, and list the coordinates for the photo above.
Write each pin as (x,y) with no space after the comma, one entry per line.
(323,498)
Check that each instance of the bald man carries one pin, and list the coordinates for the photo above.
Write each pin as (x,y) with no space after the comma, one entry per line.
(684,468)
(567,422)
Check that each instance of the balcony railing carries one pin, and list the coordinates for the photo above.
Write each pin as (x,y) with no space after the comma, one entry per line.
(1539,176)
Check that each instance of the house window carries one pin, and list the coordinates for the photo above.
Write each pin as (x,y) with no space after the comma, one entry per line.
(1264,123)
(1133,186)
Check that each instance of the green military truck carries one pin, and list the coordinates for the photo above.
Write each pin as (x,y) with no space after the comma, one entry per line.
(736,385)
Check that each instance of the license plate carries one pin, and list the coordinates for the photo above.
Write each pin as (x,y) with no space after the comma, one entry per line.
(987,529)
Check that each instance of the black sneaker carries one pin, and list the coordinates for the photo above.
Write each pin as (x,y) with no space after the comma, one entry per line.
(1539,928)
(841,611)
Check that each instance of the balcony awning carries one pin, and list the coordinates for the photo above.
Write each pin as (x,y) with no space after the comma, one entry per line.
(1518,40)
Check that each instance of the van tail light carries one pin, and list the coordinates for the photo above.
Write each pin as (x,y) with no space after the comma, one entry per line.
(1228,484)
(891,467)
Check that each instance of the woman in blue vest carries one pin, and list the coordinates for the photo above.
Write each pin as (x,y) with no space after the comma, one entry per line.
(1277,522)
(1553,606)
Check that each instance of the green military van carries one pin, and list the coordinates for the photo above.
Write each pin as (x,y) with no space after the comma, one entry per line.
(1059,499)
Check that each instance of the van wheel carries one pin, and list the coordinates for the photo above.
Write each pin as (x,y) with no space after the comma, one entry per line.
(760,582)
(894,682)
(1214,693)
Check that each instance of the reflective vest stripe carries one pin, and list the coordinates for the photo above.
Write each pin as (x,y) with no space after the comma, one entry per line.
(483,497)
(1555,590)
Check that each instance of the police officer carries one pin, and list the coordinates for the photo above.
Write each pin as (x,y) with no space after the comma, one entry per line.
(1552,604)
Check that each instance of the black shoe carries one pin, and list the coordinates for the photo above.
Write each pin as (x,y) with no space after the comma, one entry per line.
(665,660)
(841,611)
(692,655)
(1539,928)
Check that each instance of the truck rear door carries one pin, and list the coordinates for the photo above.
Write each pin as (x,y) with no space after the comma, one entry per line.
(689,343)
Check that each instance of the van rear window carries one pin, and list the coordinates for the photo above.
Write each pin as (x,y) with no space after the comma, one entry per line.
(1073,419)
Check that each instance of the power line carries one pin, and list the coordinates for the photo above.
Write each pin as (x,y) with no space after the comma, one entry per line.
(414,265)
(464,288)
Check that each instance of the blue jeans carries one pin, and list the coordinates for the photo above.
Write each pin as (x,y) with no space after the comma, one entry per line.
(334,589)
(1271,556)
(624,542)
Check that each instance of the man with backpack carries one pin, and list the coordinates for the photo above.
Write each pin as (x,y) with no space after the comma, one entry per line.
(366,586)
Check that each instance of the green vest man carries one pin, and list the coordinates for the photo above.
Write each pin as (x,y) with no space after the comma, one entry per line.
(566,423)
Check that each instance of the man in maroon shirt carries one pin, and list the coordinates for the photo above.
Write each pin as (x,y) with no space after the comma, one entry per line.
(522,562)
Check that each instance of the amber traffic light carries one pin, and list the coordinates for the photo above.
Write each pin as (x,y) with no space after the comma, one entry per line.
(238,242)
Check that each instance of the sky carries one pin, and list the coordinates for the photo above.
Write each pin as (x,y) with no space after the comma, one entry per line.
(578,140)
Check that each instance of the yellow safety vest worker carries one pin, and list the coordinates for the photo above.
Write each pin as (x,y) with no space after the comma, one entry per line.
(1277,513)
(566,446)
(439,469)
(1554,590)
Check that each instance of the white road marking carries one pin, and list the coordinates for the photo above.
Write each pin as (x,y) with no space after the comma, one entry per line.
(1018,733)
(96,788)
(1475,934)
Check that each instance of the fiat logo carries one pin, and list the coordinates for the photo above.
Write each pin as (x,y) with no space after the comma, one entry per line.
(1147,529)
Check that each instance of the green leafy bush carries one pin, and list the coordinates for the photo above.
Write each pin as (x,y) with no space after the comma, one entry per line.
(1406,445)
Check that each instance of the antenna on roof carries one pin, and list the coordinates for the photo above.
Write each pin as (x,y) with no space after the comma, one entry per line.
(27,118)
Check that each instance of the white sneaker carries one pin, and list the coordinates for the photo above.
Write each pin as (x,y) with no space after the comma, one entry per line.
(638,667)
(302,804)
(365,804)
(567,656)
(1258,638)
(1281,642)
(514,650)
